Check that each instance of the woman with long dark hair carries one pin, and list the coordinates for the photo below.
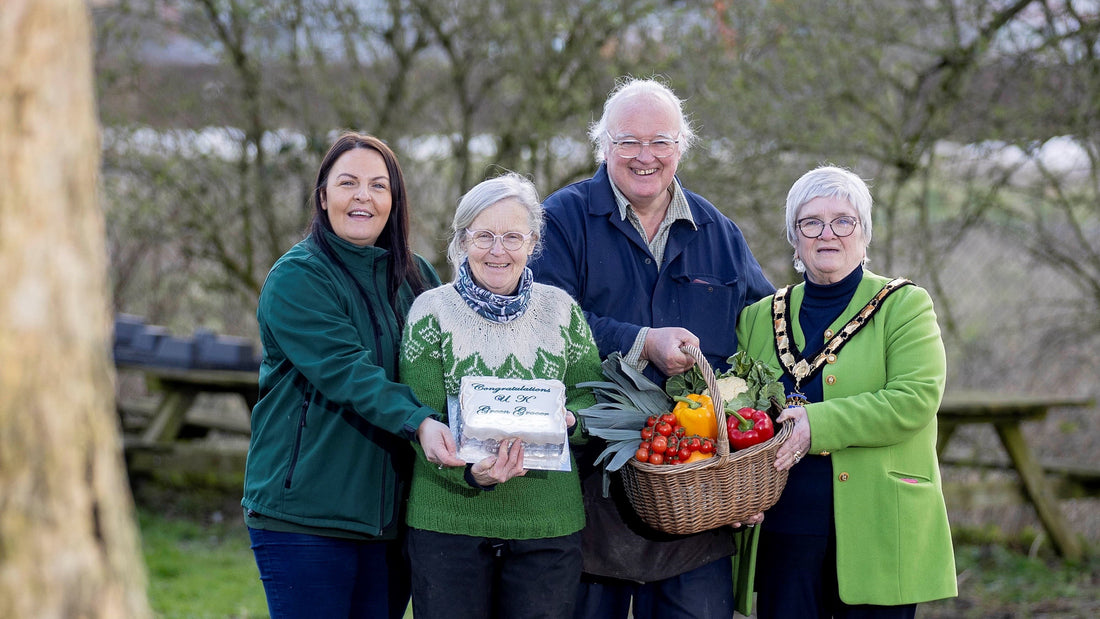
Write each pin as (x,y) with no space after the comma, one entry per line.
(329,458)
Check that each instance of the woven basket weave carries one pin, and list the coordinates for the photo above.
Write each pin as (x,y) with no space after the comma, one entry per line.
(728,488)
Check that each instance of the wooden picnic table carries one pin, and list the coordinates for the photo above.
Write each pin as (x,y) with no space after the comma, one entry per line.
(1007,413)
(177,390)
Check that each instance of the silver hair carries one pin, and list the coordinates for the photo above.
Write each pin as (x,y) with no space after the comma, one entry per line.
(484,195)
(828,182)
(630,88)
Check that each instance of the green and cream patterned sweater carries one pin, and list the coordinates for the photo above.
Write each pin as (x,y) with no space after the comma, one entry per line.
(445,340)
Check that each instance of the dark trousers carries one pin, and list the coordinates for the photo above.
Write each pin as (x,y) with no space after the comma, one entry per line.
(464,577)
(330,577)
(796,577)
(703,593)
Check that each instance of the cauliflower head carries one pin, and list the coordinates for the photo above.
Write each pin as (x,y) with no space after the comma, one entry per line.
(730,387)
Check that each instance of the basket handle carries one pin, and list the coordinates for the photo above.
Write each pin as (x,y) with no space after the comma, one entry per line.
(723,442)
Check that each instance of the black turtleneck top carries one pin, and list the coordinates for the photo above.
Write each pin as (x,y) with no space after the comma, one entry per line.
(806,505)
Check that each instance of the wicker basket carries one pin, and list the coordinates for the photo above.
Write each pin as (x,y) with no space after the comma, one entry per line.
(728,488)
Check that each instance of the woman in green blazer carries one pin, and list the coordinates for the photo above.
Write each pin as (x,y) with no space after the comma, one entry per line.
(861,529)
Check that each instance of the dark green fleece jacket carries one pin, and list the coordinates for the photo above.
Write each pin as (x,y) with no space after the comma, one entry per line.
(330,452)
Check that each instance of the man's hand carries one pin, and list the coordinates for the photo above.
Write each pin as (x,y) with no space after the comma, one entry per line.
(752,521)
(662,349)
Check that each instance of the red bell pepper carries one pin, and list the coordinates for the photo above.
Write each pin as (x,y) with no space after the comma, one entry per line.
(747,427)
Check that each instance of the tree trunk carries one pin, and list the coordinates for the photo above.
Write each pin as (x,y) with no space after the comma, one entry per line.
(68,542)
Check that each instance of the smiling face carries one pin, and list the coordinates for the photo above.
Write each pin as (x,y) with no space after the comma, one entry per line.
(643,179)
(830,258)
(498,269)
(357,196)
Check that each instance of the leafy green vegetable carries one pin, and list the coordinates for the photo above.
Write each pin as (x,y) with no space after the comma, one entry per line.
(623,403)
(681,385)
(762,380)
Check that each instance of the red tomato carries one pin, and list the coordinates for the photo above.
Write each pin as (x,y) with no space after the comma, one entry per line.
(684,453)
(707,446)
(695,443)
(642,455)
(647,433)
(668,418)
(658,445)
(656,458)
(663,428)
(651,420)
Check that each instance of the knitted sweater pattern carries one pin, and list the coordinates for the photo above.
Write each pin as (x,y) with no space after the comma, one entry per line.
(445,340)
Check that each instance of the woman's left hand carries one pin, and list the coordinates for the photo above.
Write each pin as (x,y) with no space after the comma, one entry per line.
(798,444)
(508,463)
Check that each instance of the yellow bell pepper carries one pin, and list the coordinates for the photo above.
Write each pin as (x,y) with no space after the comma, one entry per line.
(696,414)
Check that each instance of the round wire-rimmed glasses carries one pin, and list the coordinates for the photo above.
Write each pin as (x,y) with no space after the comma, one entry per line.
(484,239)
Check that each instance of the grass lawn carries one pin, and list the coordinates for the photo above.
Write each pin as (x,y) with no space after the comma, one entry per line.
(200,570)
(200,566)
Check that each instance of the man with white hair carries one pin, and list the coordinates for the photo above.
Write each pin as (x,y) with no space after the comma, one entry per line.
(654,266)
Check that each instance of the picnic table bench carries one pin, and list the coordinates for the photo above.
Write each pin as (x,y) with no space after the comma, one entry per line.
(177,389)
(1007,413)
(157,427)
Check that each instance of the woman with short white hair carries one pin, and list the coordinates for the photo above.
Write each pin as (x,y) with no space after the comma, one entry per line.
(493,539)
(861,529)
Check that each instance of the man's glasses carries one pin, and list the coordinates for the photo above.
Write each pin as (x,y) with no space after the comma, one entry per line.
(841,226)
(631,148)
(483,239)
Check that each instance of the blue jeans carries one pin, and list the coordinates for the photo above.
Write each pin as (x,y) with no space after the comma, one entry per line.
(705,592)
(330,577)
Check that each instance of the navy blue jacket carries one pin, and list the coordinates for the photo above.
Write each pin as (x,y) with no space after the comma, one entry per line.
(707,277)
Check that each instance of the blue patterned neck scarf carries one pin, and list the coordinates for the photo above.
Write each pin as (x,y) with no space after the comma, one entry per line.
(495,307)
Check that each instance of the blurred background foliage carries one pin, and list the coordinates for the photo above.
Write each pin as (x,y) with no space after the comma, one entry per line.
(976,124)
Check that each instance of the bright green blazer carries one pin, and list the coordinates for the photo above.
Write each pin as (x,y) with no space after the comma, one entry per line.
(878,420)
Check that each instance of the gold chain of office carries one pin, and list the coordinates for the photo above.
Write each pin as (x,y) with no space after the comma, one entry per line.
(802,369)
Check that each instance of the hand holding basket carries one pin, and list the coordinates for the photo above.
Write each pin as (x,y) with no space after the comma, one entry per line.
(726,489)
